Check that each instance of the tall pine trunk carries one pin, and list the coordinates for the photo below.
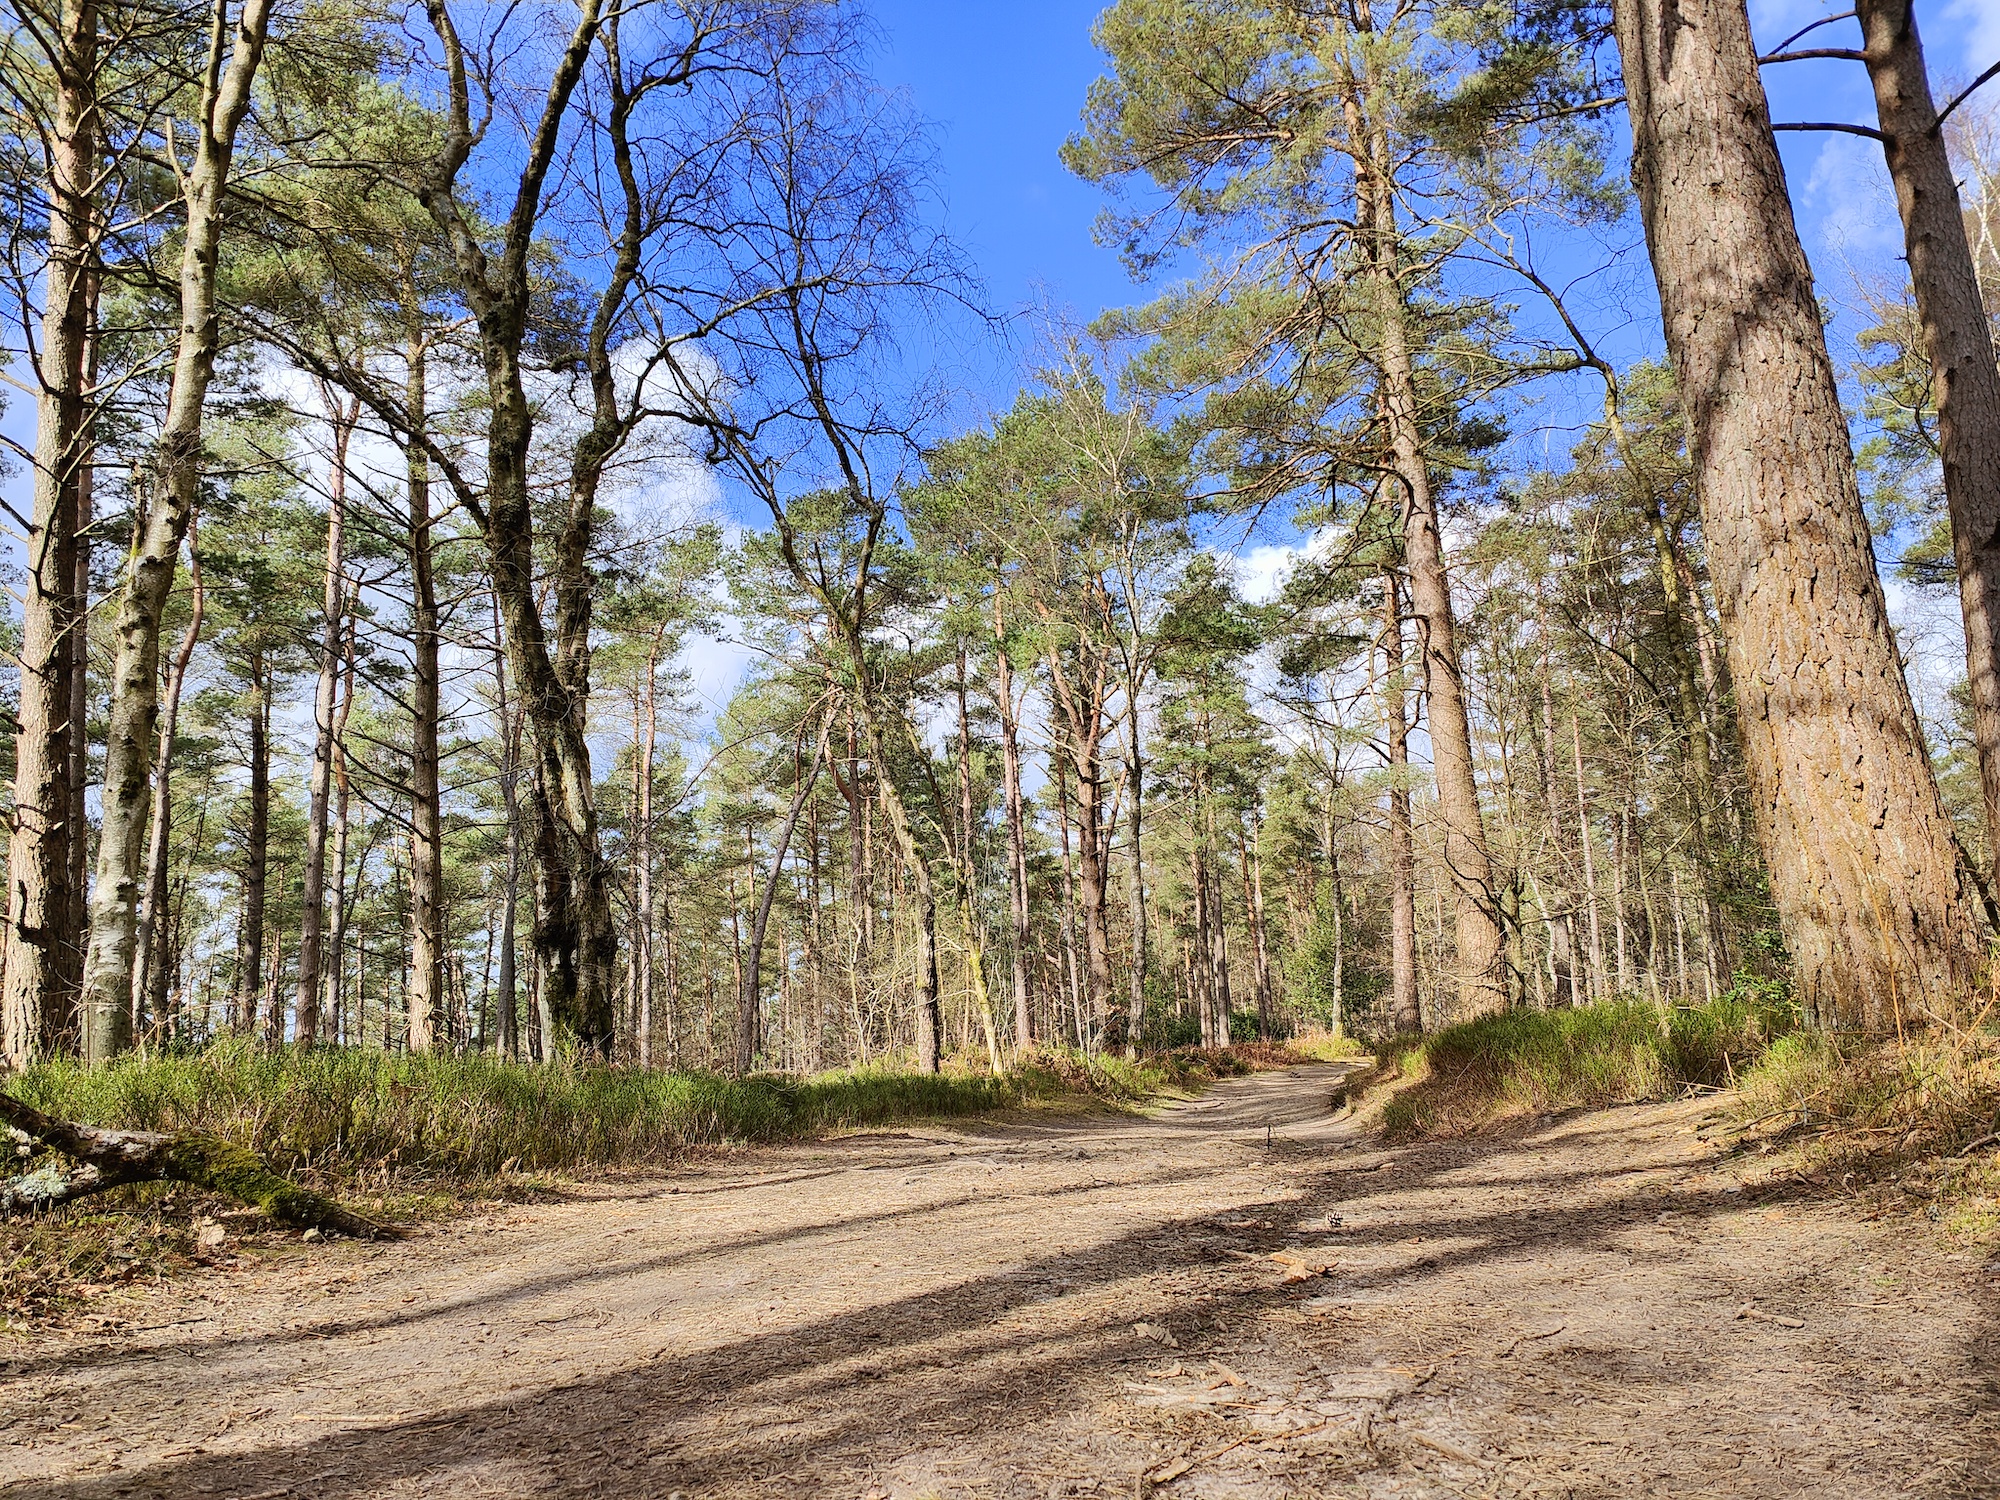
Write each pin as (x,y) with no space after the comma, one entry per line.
(1875,908)
(1965,381)
(1407,1015)
(305,998)
(151,946)
(426,994)
(169,486)
(257,861)
(42,915)
(336,937)
(1017,844)
(575,944)
(1468,865)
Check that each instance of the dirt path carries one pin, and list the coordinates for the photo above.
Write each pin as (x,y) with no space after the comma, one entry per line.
(951,1313)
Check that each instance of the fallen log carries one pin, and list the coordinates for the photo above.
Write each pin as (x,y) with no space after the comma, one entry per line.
(112,1158)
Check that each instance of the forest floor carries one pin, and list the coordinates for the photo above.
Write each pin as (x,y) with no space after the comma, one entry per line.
(1601,1304)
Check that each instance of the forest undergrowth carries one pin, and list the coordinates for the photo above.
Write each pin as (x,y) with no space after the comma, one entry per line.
(410,1135)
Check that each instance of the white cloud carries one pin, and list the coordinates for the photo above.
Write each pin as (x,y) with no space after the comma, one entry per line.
(1977,24)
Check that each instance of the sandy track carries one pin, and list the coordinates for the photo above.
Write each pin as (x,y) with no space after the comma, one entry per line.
(951,1312)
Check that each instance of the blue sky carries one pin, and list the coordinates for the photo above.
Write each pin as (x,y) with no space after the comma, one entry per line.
(1004,83)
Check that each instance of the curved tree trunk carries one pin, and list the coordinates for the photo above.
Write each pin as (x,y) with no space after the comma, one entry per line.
(171,486)
(1875,906)
(1017,847)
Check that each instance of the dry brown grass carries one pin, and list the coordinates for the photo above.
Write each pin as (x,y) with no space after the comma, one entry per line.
(1916,1117)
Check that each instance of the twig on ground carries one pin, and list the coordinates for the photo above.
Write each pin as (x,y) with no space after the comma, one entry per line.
(1530,1338)
(1747,1311)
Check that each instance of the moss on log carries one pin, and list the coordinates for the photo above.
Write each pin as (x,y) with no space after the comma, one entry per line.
(111,1158)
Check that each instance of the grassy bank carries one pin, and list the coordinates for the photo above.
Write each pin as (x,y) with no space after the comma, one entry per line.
(1532,1062)
(351,1116)
(1918,1115)
(1916,1118)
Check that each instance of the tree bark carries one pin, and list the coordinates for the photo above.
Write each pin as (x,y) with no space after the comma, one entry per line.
(643,852)
(150,933)
(1598,982)
(1875,907)
(1079,689)
(256,862)
(336,940)
(169,490)
(114,1033)
(1250,850)
(1135,786)
(968,895)
(749,1016)
(1468,866)
(42,917)
(1017,844)
(426,999)
(575,944)
(1965,380)
(111,1158)
(305,998)
(1407,1014)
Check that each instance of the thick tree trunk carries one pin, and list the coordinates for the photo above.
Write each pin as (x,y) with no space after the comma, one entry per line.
(1079,690)
(510,738)
(305,998)
(42,918)
(1202,970)
(642,937)
(1876,910)
(1467,864)
(1251,858)
(105,1033)
(1093,880)
(1965,380)
(169,486)
(1407,1015)
(968,895)
(1135,786)
(1598,982)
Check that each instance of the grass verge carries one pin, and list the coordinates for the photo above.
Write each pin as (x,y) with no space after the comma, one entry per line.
(1917,1116)
(1534,1062)
(419,1136)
